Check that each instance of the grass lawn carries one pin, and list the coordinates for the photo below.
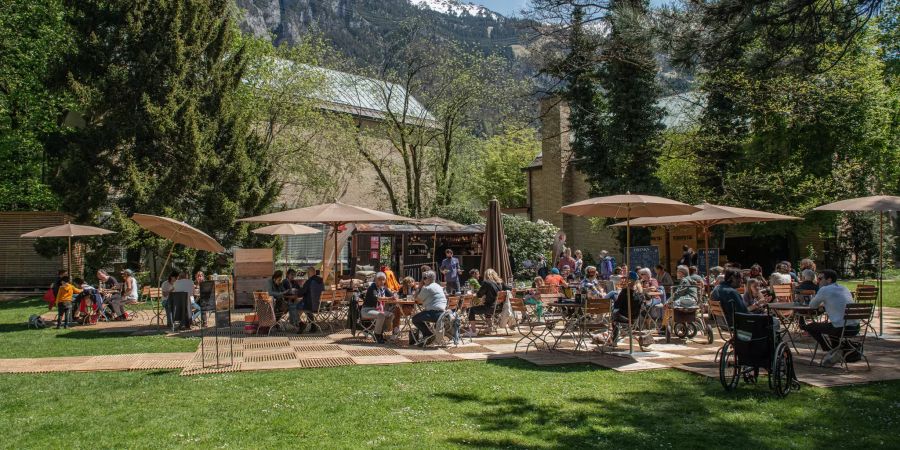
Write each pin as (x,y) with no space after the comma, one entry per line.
(17,341)
(508,404)
(891,290)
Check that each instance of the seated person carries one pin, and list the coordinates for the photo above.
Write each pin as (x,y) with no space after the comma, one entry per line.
(664,278)
(311,292)
(534,297)
(407,287)
(756,273)
(781,275)
(729,297)
(370,310)
(592,284)
(835,299)
(807,282)
(648,285)
(620,313)
(184,284)
(754,299)
(555,279)
(687,292)
(434,302)
(615,281)
(109,288)
(129,287)
(490,287)
(567,274)
(275,289)
(474,277)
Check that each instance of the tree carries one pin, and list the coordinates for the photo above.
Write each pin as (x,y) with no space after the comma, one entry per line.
(164,131)
(32,38)
(503,158)
(527,241)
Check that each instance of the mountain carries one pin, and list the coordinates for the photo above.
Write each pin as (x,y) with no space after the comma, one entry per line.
(353,25)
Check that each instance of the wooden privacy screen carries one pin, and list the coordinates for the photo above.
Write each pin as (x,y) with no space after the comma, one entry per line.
(252,267)
(20,265)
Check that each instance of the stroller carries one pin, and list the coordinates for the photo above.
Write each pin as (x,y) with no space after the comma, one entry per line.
(756,343)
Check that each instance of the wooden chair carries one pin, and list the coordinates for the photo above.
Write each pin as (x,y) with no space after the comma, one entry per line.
(783,292)
(549,289)
(329,306)
(597,316)
(264,306)
(867,294)
(854,311)
(527,324)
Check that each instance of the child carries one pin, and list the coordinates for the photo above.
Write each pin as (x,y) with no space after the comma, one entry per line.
(534,297)
(64,301)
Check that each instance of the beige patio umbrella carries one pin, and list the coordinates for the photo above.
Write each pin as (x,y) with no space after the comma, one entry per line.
(628,206)
(708,216)
(69,231)
(333,214)
(179,233)
(286,229)
(880,204)
(494,252)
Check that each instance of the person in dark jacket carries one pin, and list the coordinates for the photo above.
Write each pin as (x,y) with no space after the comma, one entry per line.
(491,286)
(370,310)
(728,296)
(311,293)
(634,290)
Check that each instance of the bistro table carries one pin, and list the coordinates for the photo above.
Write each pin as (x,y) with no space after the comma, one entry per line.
(406,308)
(787,312)
(571,318)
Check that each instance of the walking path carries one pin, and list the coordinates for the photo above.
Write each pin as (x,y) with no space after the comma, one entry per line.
(237,352)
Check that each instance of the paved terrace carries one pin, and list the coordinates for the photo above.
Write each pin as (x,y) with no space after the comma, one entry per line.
(291,351)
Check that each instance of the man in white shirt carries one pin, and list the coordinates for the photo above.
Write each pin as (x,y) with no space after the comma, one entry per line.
(835,299)
(434,302)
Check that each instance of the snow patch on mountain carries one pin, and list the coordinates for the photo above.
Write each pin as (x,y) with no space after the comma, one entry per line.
(456,8)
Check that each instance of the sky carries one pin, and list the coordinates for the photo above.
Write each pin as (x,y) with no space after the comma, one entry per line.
(513,7)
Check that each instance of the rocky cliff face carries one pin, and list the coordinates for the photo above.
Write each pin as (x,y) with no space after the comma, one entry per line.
(353,25)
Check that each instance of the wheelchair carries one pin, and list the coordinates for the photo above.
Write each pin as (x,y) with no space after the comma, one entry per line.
(755,344)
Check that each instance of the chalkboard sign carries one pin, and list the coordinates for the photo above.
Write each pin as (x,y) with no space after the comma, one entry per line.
(644,256)
(701,259)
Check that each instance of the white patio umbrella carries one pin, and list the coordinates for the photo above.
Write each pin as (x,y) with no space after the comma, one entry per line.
(68,231)
(286,229)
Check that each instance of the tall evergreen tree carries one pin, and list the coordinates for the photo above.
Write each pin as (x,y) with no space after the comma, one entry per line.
(630,130)
(156,83)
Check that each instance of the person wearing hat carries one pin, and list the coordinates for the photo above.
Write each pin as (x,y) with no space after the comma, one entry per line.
(555,279)
(129,287)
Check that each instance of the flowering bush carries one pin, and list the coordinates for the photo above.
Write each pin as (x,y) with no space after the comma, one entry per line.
(527,241)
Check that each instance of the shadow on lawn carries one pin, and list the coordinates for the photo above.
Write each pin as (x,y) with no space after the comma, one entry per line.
(662,414)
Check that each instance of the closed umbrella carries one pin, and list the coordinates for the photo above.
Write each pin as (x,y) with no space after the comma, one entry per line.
(286,229)
(494,252)
(334,214)
(710,215)
(68,231)
(628,206)
(880,204)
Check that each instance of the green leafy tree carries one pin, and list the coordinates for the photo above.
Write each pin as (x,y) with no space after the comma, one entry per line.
(504,156)
(164,129)
(527,241)
(32,38)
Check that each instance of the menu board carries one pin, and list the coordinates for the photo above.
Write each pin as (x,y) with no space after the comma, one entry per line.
(644,256)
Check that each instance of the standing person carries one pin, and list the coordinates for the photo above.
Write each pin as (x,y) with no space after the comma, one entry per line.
(566,260)
(559,244)
(579,264)
(370,309)
(835,299)
(607,265)
(64,297)
(451,270)
(129,287)
(109,287)
(390,279)
(434,302)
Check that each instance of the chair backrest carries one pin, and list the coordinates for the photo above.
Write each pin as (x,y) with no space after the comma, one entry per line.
(549,298)
(783,292)
(145,291)
(452,301)
(866,294)
(467,301)
(597,306)
(153,293)
(548,289)
(501,296)
(859,311)
(517,304)
(265,309)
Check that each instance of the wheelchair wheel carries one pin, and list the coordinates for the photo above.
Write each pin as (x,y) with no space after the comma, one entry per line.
(680,330)
(691,330)
(668,334)
(708,331)
(729,371)
(782,376)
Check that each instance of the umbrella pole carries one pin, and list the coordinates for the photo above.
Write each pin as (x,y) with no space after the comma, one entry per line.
(706,243)
(157,309)
(880,273)
(69,258)
(627,287)
(335,280)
